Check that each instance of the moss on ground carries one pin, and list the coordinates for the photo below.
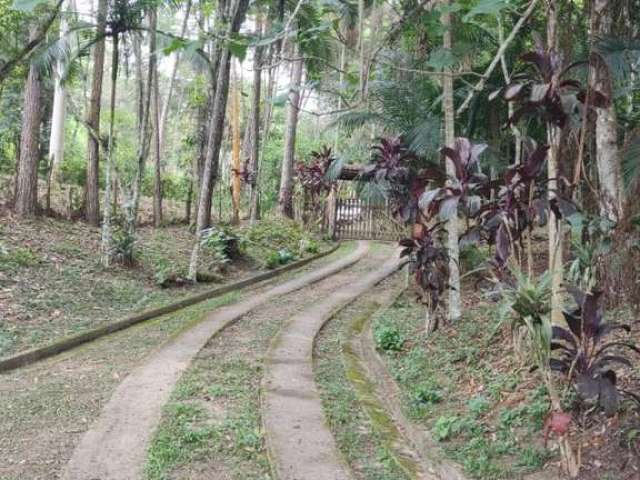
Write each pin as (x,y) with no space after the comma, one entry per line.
(362,444)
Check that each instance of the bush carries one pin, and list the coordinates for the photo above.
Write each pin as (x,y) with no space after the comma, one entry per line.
(123,245)
(281,257)
(223,242)
(19,257)
(428,395)
(388,338)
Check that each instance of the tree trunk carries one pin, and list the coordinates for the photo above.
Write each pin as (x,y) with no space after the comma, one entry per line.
(106,219)
(606,138)
(92,184)
(285,196)
(56,138)
(254,159)
(448,110)
(214,139)
(236,179)
(554,135)
(26,193)
(157,190)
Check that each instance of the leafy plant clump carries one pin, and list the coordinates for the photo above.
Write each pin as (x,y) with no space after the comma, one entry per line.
(223,242)
(278,258)
(388,338)
(590,361)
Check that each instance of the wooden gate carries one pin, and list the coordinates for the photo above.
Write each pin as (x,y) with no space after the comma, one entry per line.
(358,219)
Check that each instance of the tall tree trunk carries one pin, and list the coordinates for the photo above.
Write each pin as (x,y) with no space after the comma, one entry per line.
(554,135)
(157,190)
(106,219)
(92,184)
(448,110)
(254,159)
(236,179)
(607,156)
(285,196)
(214,141)
(56,138)
(26,193)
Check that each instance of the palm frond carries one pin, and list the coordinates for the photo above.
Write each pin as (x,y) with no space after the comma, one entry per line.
(351,121)
(425,138)
(622,56)
(630,160)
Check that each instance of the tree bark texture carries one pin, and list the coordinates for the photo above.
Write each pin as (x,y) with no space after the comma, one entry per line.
(254,158)
(92,185)
(607,155)
(26,193)
(285,196)
(448,110)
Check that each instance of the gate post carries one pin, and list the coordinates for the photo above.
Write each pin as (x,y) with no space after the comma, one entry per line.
(332,211)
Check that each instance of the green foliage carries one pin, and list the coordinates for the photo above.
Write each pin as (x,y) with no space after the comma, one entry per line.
(223,242)
(428,394)
(449,426)
(19,257)
(388,338)
(123,243)
(279,257)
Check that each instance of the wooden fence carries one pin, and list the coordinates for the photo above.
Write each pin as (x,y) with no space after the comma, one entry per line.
(357,219)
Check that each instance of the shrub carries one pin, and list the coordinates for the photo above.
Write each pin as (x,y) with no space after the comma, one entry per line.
(223,242)
(446,427)
(428,395)
(123,243)
(281,257)
(19,257)
(388,338)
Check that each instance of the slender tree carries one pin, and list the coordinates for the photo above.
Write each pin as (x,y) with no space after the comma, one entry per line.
(234,118)
(448,110)
(153,67)
(254,159)
(92,189)
(285,195)
(106,220)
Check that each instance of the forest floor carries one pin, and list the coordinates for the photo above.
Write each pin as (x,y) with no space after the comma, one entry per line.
(52,283)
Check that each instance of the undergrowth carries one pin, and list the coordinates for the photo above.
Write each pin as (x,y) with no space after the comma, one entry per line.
(462,386)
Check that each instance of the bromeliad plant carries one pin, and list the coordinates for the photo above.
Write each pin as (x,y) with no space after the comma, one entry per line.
(586,357)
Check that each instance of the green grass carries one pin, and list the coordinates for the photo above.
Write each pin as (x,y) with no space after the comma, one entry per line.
(458,383)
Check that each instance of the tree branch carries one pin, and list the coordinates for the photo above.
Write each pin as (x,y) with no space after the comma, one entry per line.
(480,85)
